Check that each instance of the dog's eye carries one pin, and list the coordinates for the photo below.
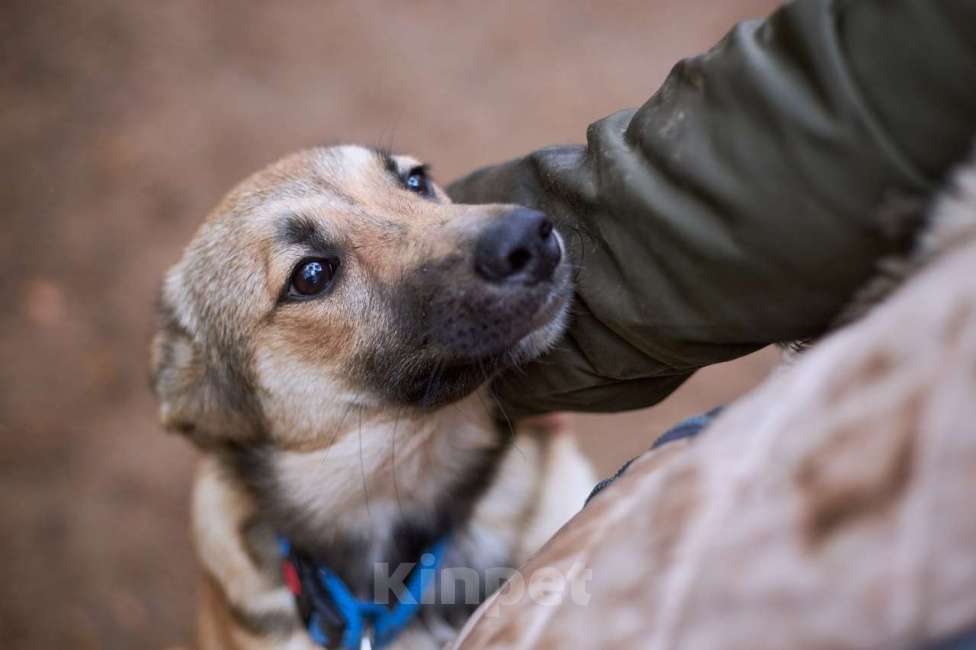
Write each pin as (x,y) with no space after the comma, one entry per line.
(313,276)
(416,181)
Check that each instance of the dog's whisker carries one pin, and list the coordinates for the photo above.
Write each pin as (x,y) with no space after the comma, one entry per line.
(432,380)
(339,426)
(362,468)
(393,446)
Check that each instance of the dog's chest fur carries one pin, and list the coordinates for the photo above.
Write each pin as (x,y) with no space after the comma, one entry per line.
(351,507)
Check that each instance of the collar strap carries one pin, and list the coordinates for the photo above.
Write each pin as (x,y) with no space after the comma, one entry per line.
(330,611)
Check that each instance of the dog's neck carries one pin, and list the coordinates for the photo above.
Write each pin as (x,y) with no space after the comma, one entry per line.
(385,490)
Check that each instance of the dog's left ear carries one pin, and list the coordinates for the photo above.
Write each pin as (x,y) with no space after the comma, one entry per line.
(198,395)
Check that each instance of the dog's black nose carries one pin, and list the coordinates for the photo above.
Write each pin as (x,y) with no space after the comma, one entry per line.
(518,248)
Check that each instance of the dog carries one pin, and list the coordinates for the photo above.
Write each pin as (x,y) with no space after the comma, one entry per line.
(327,340)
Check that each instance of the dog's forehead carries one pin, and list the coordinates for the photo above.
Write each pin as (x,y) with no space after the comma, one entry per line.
(354,159)
(349,168)
(347,176)
(347,164)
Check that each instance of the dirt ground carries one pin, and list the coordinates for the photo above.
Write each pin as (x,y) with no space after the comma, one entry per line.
(122,123)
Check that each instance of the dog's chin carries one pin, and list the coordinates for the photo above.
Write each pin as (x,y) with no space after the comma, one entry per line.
(451,377)
(546,328)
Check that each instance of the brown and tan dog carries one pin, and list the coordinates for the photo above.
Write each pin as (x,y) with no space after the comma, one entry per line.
(326,340)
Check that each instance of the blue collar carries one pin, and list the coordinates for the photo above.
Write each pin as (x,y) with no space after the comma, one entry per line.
(331,613)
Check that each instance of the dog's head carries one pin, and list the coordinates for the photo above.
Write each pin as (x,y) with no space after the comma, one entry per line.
(344,278)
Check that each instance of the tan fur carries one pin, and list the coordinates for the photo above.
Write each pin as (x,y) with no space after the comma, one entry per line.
(232,365)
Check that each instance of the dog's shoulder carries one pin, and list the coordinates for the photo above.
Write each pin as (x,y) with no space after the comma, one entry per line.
(238,555)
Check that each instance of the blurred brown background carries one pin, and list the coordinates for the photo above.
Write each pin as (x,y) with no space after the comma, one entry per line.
(122,123)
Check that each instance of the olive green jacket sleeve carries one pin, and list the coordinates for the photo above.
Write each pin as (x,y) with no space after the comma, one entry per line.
(745,202)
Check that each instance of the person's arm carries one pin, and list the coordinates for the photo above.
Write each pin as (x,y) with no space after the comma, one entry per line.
(746,201)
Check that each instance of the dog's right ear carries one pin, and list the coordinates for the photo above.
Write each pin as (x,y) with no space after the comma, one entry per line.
(196,397)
